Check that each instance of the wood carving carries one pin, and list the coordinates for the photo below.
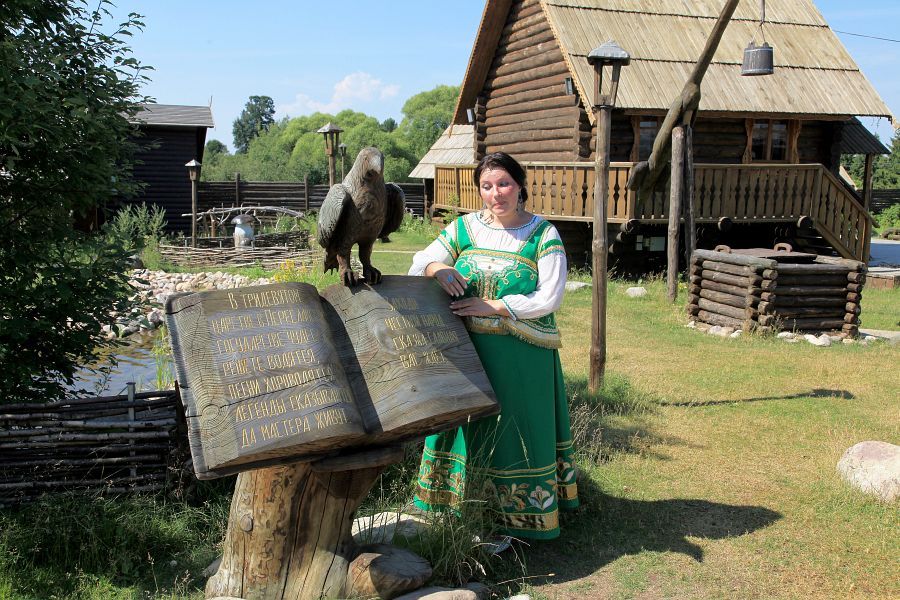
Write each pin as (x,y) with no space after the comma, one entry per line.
(323,388)
(358,211)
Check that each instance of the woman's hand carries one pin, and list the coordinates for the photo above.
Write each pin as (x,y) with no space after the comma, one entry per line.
(448,278)
(478,307)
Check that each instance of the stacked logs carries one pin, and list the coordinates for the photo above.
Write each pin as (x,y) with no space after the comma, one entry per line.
(748,292)
(820,296)
(729,289)
(112,444)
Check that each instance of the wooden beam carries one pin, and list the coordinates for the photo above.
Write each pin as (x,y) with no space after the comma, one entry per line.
(675,198)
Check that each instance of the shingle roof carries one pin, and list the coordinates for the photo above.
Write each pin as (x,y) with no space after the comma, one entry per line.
(814,73)
(454,147)
(175,115)
(856,139)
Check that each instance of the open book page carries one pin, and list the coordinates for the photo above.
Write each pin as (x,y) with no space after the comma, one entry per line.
(408,358)
(260,377)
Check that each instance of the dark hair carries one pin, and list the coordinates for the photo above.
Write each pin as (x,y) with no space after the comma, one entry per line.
(502,160)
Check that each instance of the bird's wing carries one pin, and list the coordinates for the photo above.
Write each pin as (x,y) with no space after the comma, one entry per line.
(330,214)
(396,206)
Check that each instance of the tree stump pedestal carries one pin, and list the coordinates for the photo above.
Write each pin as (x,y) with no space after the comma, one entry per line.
(289,529)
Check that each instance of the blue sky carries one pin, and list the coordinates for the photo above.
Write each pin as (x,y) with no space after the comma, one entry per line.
(372,56)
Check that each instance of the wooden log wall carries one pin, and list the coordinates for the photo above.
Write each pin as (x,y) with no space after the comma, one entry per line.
(526,110)
(108,444)
(748,292)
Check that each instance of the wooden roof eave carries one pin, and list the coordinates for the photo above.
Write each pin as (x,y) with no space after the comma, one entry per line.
(489,31)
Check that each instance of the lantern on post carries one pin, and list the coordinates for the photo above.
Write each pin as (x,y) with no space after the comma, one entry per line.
(342,150)
(607,60)
(332,135)
(193,168)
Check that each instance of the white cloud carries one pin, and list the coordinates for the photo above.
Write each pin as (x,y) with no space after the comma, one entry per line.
(354,91)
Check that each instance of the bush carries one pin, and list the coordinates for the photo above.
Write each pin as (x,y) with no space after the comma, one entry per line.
(138,225)
(889,217)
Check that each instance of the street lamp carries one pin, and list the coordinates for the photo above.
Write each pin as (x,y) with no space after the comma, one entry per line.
(607,60)
(342,150)
(332,135)
(193,168)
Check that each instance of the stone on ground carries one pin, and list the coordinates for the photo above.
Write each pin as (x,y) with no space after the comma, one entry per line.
(636,292)
(383,527)
(571,286)
(385,571)
(874,468)
(440,593)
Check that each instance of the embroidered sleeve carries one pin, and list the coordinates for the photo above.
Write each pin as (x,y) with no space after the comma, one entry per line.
(551,286)
(444,249)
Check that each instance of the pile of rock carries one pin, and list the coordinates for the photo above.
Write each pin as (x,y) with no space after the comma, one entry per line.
(153,288)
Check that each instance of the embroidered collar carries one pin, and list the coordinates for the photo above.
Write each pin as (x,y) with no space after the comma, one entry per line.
(489,226)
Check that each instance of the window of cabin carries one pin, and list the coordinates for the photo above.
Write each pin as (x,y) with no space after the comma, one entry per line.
(768,140)
(645,129)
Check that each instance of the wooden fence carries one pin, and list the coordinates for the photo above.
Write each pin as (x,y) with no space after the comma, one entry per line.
(295,195)
(882,199)
(107,444)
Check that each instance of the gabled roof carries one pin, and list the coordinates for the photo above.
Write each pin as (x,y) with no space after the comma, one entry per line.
(814,73)
(456,146)
(174,115)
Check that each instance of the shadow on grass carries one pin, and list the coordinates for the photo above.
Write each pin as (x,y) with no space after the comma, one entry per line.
(814,393)
(606,528)
(615,419)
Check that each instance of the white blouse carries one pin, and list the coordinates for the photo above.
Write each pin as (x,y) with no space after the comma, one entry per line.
(548,295)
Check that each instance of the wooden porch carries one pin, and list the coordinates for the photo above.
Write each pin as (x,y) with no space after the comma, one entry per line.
(755,193)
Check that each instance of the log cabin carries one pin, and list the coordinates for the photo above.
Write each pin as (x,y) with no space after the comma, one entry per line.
(766,149)
(169,137)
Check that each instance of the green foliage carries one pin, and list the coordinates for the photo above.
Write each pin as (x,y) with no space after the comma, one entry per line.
(889,217)
(136,225)
(214,148)
(291,150)
(257,116)
(885,171)
(119,540)
(64,152)
(426,116)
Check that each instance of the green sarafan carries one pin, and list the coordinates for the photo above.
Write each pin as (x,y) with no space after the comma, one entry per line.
(69,86)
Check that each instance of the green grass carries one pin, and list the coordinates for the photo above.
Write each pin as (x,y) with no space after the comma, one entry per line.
(707,471)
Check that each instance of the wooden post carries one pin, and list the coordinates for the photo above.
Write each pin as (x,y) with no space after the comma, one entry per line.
(867,202)
(690,227)
(675,198)
(193,213)
(599,250)
(237,190)
(289,529)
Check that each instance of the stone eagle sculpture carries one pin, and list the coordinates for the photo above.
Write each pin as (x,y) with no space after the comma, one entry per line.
(359,210)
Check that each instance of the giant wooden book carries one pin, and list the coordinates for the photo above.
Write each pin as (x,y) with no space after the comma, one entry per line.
(276,373)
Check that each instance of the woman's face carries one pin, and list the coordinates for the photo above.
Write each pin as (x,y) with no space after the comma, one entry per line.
(499,191)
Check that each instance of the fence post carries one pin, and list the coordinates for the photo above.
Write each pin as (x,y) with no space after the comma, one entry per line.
(237,190)
(130,387)
(305,193)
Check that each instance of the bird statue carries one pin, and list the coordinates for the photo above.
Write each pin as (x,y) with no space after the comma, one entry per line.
(359,210)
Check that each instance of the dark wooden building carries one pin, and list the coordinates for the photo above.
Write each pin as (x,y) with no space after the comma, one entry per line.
(767,149)
(170,136)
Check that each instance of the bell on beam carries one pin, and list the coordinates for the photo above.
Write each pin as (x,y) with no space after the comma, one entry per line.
(758,60)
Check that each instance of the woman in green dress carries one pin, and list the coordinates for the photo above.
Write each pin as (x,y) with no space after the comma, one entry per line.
(505,269)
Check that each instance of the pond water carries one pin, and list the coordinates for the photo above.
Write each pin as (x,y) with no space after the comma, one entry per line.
(137,362)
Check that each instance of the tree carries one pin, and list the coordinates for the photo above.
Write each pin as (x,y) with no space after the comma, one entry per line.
(885,170)
(388,125)
(69,90)
(257,116)
(426,116)
(214,148)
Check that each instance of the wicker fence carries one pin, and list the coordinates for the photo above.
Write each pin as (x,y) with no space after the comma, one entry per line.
(295,195)
(107,444)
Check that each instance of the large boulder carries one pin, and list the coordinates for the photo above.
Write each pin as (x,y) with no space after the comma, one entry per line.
(874,468)
(385,571)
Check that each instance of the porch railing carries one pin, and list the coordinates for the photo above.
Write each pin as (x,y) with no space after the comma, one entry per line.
(743,193)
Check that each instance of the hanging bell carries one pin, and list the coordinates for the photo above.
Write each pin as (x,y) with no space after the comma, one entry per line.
(758,60)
